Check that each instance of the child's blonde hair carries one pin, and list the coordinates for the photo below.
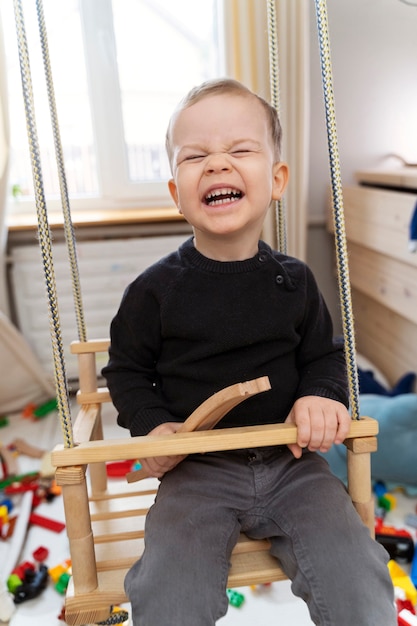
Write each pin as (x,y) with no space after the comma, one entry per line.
(220,86)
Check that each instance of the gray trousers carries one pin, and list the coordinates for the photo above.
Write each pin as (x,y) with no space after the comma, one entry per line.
(206,501)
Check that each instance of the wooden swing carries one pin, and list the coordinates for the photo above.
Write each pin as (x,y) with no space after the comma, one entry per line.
(105,523)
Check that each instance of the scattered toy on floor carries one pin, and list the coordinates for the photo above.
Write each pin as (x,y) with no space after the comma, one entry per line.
(33,584)
(35,412)
(236,598)
(401,579)
(398,542)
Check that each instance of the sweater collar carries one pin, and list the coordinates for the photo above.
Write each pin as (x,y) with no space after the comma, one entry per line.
(195,258)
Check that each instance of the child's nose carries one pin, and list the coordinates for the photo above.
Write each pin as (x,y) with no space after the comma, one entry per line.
(217,162)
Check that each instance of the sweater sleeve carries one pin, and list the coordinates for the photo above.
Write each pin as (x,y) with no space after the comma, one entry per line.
(131,371)
(320,357)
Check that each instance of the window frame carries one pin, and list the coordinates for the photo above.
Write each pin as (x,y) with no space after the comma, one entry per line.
(115,190)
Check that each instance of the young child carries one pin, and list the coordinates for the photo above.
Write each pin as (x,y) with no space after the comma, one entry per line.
(225,308)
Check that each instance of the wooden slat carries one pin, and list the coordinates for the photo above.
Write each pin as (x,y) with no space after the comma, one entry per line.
(188,443)
(93,345)
(93,397)
(384,337)
(118,513)
(390,282)
(253,569)
(248,567)
(379,220)
(124,490)
(246,545)
(118,554)
(405,177)
(86,422)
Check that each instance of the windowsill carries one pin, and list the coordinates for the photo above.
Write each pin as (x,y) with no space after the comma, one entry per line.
(120,217)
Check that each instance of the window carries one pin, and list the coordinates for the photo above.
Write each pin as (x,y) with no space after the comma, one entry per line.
(119,68)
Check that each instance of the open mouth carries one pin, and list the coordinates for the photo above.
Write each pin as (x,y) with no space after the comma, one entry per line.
(222,196)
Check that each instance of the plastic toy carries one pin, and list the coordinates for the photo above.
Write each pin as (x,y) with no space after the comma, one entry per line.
(13,582)
(387,501)
(18,537)
(33,585)
(63,582)
(398,542)
(236,599)
(4,514)
(119,469)
(21,569)
(406,618)
(56,572)
(413,571)
(401,579)
(32,411)
(40,554)
(17,479)
(46,522)
(60,575)
(45,409)
(404,604)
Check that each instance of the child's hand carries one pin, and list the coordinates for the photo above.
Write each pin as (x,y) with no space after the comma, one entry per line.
(321,422)
(159,465)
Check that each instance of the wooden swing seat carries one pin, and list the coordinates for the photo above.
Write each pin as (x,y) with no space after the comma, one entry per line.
(105,521)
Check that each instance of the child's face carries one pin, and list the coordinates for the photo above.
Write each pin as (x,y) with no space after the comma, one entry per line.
(225,174)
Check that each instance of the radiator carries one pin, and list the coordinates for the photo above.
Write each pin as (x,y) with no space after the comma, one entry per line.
(106,267)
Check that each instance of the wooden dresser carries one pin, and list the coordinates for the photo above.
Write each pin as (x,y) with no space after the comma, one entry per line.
(383,270)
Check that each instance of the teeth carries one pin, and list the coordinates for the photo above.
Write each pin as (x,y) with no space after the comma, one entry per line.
(220,201)
(220,196)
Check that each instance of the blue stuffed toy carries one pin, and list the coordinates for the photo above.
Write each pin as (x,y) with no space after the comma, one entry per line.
(395,461)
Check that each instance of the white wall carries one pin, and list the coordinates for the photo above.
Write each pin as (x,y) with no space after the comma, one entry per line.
(374,59)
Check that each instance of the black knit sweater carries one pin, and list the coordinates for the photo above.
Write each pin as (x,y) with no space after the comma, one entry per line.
(190,326)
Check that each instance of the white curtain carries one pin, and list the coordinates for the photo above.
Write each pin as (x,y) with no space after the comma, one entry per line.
(248,61)
(4,163)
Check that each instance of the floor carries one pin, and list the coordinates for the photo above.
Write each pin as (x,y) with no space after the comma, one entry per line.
(260,605)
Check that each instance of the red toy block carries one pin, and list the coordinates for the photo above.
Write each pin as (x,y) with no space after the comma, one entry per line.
(20,488)
(118,469)
(406,618)
(46,522)
(40,554)
(404,604)
(22,568)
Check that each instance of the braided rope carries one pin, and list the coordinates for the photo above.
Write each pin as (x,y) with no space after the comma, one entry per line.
(68,226)
(43,229)
(280,216)
(338,212)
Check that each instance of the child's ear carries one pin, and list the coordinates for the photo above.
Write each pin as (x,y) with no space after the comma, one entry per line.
(174,193)
(280,174)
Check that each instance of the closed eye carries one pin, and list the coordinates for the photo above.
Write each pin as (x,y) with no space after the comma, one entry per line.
(194,157)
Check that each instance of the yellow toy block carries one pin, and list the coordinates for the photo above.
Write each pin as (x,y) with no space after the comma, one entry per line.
(401,579)
(4,514)
(56,572)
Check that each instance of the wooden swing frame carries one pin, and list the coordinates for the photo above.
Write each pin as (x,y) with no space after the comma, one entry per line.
(105,524)
(105,521)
